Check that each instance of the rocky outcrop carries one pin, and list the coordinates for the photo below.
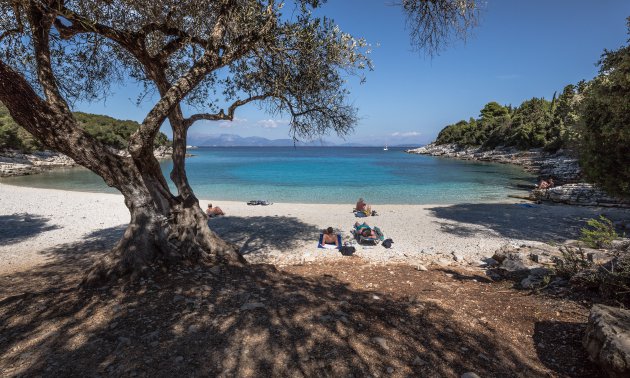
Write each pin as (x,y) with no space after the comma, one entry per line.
(563,168)
(607,339)
(579,194)
(15,163)
(560,166)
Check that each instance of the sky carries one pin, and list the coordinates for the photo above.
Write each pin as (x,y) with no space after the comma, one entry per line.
(521,49)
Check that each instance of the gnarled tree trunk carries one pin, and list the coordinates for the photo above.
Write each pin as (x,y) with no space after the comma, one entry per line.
(164,228)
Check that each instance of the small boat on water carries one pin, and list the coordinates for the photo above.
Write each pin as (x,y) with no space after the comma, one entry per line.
(385,149)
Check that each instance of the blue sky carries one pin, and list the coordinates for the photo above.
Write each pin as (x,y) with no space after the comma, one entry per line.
(521,49)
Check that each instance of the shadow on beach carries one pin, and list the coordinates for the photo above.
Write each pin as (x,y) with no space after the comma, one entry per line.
(19,227)
(543,223)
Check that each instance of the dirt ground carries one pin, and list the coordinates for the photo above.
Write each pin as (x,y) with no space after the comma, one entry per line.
(345,318)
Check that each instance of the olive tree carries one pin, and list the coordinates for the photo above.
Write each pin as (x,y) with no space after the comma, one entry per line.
(214,55)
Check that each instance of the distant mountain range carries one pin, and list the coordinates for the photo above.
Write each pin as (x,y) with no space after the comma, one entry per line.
(232,140)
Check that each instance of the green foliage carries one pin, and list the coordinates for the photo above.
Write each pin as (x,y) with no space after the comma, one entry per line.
(600,234)
(528,126)
(604,129)
(108,130)
(573,261)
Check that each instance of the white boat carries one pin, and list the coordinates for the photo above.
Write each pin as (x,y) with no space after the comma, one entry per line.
(385,149)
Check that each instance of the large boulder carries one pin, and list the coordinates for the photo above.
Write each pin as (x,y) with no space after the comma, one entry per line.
(607,339)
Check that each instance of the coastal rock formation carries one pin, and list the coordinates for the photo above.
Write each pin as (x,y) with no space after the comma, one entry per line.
(607,339)
(560,166)
(564,169)
(15,163)
(579,194)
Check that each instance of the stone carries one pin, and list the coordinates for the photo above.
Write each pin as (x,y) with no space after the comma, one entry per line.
(607,339)
(124,340)
(252,306)
(421,268)
(193,328)
(458,257)
(179,359)
(418,361)
(216,270)
(381,342)
(389,370)
(469,374)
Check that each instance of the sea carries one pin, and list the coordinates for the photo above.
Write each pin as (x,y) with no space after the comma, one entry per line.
(320,175)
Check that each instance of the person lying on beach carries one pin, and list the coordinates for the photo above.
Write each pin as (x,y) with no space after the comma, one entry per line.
(214,211)
(330,237)
(365,230)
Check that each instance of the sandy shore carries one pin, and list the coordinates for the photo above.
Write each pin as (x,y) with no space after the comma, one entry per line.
(37,225)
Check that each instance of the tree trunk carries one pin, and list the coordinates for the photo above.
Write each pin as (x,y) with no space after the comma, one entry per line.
(164,229)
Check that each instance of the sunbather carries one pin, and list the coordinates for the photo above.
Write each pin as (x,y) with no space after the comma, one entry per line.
(362,208)
(214,211)
(330,237)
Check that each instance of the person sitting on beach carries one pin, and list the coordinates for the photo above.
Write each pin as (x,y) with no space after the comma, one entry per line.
(214,211)
(330,237)
(546,184)
(363,207)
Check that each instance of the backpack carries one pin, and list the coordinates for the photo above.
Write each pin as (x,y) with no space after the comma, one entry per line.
(347,250)
(387,243)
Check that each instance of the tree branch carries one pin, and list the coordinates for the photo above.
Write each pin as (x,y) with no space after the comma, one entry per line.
(221,115)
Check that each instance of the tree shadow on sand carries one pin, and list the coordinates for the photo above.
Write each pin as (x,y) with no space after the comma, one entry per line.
(19,227)
(542,223)
(253,234)
(252,321)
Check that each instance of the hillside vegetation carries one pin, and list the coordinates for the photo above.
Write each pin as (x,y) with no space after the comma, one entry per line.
(591,118)
(108,130)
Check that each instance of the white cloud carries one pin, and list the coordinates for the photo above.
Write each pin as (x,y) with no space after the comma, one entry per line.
(235,122)
(271,123)
(405,134)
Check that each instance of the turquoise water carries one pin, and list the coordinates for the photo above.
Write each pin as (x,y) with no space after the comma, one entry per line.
(320,175)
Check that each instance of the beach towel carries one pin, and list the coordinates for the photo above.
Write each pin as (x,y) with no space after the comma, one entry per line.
(328,246)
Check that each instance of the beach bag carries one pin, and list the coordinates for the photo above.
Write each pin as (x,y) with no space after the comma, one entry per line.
(374,213)
(387,243)
(347,250)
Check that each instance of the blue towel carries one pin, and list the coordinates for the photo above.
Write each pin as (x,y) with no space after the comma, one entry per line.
(321,239)
(528,205)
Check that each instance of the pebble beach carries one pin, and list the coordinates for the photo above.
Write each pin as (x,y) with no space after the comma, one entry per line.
(37,224)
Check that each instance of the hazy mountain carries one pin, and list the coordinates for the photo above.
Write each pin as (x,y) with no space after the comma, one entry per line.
(232,140)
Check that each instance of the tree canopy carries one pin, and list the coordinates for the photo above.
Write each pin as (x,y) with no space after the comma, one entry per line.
(604,124)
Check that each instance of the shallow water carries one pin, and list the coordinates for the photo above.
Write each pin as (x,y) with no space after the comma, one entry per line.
(320,175)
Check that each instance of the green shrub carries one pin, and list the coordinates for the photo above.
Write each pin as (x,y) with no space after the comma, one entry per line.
(573,261)
(601,233)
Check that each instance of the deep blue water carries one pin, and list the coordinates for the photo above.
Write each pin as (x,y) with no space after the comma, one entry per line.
(320,175)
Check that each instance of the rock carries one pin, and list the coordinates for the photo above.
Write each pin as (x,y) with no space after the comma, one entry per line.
(381,342)
(179,359)
(419,361)
(535,278)
(389,370)
(124,340)
(252,306)
(193,328)
(421,268)
(178,298)
(216,270)
(607,339)
(622,245)
(458,257)
(469,374)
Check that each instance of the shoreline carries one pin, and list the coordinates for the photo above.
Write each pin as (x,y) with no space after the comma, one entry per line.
(37,225)
(570,188)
